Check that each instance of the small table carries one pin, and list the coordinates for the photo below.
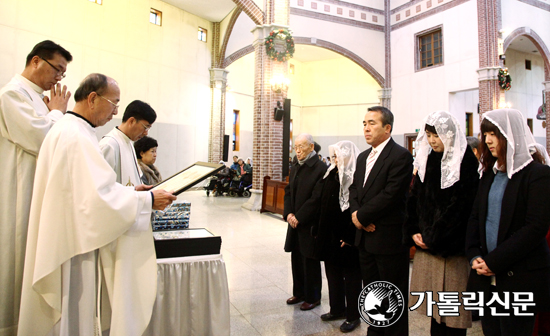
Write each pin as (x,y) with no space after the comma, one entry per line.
(192,297)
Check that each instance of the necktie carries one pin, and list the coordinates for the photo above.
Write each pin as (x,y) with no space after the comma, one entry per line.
(370,163)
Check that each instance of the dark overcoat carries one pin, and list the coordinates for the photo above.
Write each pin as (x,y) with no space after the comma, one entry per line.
(299,190)
(382,199)
(521,260)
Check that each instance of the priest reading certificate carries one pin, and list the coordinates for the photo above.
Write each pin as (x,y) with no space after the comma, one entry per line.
(90,260)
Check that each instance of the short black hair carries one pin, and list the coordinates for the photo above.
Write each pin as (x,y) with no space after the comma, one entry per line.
(95,82)
(430,129)
(387,116)
(46,50)
(140,111)
(144,144)
(316,147)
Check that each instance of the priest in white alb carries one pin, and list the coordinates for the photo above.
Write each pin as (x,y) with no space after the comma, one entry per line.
(117,146)
(26,116)
(91,262)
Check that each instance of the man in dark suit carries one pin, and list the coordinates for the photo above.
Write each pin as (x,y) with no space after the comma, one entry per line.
(306,270)
(377,204)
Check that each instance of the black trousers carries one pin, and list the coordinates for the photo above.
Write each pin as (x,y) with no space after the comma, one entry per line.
(393,268)
(306,277)
(344,287)
(441,329)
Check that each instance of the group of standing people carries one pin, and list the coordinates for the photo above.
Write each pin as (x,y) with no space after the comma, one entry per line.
(77,245)
(480,234)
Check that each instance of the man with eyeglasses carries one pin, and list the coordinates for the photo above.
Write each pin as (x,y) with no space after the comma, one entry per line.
(117,146)
(26,116)
(90,245)
(302,216)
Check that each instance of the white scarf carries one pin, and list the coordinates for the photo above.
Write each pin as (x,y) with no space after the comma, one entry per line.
(346,152)
(513,127)
(454,140)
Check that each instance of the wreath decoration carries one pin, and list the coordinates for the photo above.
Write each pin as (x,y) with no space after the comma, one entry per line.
(280,56)
(504,79)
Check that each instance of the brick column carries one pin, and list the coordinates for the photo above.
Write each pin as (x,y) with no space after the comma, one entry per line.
(267,152)
(384,95)
(218,81)
(547,106)
(489,24)
(489,91)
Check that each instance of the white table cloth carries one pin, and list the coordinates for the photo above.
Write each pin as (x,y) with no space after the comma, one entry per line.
(192,297)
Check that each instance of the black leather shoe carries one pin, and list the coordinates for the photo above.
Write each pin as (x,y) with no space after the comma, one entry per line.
(332,317)
(348,326)
(308,306)
(294,300)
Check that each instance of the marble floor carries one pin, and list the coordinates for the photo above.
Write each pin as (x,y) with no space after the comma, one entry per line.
(259,273)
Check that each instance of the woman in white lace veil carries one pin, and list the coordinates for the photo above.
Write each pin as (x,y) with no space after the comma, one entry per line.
(509,222)
(454,141)
(344,155)
(438,208)
(335,227)
(519,140)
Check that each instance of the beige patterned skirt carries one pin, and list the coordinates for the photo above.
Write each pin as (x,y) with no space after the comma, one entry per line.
(437,274)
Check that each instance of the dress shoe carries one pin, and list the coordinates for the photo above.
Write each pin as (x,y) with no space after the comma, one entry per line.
(308,306)
(332,317)
(294,300)
(348,326)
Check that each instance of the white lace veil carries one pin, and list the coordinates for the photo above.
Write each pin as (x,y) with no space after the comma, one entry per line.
(347,153)
(454,140)
(513,127)
(542,150)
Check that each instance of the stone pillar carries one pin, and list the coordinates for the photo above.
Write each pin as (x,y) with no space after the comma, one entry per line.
(489,24)
(547,106)
(490,93)
(267,153)
(218,81)
(384,95)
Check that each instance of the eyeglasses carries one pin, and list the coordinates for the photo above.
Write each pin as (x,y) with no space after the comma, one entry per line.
(300,147)
(146,127)
(59,72)
(100,96)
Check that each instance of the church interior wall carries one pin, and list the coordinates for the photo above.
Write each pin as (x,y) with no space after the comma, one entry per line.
(240,96)
(526,91)
(335,95)
(240,35)
(517,14)
(397,3)
(166,66)
(367,44)
(224,24)
(416,93)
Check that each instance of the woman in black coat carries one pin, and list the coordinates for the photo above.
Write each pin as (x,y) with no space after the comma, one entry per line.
(438,209)
(510,219)
(335,234)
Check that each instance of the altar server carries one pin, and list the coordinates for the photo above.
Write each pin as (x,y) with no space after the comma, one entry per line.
(26,115)
(118,145)
(89,237)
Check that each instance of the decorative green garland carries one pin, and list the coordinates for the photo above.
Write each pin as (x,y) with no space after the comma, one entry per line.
(270,47)
(504,79)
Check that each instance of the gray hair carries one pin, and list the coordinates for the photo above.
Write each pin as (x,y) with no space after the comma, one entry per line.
(306,136)
(387,116)
(95,82)
(473,142)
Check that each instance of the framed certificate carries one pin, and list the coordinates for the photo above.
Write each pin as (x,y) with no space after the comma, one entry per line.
(188,177)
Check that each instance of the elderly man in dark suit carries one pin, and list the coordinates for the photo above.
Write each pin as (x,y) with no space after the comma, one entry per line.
(377,204)
(306,270)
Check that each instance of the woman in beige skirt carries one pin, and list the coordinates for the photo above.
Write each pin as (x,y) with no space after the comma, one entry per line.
(438,208)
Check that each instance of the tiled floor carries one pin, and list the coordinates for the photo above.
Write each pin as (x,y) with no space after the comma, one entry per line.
(259,273)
